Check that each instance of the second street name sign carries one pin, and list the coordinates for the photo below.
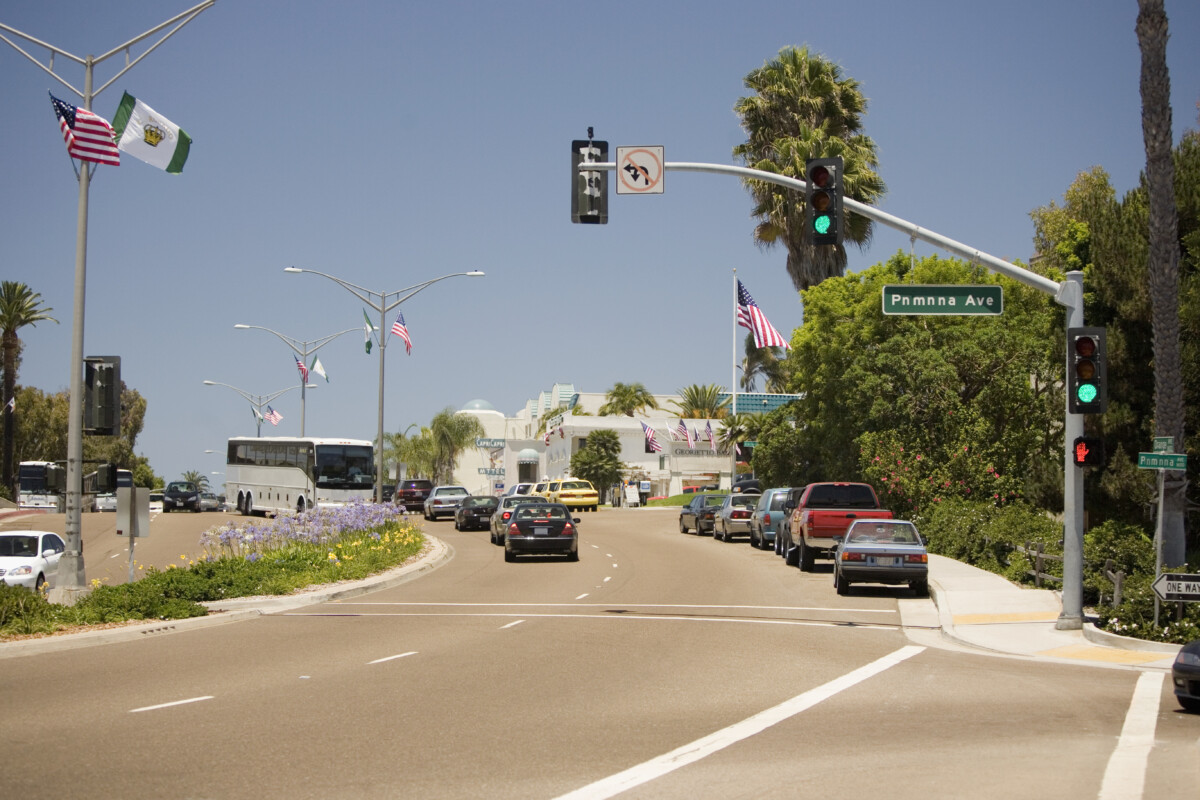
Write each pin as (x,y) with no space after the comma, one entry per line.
(915,298)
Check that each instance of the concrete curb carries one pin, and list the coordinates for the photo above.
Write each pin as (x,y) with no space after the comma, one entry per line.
(1106,639)
(436,554)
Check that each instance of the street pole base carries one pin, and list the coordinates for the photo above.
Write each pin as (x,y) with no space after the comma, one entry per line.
(67,595)
(1068,623)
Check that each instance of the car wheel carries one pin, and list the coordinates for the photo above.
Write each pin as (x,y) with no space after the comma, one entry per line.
(573,555)
(920,587)
(40,585)
(807,557)
(791,555)
(840,584)
(1189,704)
(682,526)
(755,543)
(509,556)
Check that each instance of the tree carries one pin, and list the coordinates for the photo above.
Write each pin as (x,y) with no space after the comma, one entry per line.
(198,478)
(397,449)
(765,362)
(701,402)
(626,399)
(599,460)
(451,433)
(19,307)
(804,107)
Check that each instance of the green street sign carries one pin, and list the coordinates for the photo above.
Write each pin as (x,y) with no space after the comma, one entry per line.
(1162,461)
(911,298)
(1163,444)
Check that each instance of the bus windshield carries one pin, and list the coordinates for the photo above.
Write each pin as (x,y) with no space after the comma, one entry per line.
(344,466)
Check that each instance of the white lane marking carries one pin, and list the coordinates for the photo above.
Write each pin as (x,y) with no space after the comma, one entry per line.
(1125,775)
(622,605)
(706,746)
(392,658)
(609,578)
(860,626)
(168,705)
(585,594)
(615,566)
(511,624)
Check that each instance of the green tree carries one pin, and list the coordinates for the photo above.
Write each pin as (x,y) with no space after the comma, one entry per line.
(762,362)
(804,107)
(599,460)
(626,399)
(701,402)
(451,433)
(20,306)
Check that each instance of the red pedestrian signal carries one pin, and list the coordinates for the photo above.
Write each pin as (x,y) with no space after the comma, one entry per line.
(1089,452)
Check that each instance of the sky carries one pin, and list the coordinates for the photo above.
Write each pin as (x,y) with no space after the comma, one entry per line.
(390,143)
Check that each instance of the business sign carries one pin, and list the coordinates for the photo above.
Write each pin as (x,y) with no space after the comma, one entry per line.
(912,298)
(498,471)
(1177,587)
(490,444)
(1162,461)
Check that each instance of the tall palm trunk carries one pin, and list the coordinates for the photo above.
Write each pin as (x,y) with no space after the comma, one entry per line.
(1163,267)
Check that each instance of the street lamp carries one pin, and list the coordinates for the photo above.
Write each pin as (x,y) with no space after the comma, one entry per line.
(257,401)
(303,350)
(383,307)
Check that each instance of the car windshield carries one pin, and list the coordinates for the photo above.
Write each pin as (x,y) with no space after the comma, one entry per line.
(541,512)
(744,500)
(576,485)
(482,502)
(18,546)
(181,486)
(841,496)
(883,532)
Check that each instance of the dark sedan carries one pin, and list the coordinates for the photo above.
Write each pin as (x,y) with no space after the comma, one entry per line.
(537,528)
(475,513)
(1186,675)
(698,514)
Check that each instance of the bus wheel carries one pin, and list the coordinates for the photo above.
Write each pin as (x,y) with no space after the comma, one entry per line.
(247,508)
(300,506)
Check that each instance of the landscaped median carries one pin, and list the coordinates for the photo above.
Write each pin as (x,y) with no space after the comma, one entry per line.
(268,557)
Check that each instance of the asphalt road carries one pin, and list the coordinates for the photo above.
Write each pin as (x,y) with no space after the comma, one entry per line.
(660,665)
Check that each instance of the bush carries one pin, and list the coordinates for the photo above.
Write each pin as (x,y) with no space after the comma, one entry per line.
(986,536)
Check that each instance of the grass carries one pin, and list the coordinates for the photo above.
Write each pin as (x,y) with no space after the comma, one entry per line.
(272,557)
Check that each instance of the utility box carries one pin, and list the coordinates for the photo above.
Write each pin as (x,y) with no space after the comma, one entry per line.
(102,395)
(133,511)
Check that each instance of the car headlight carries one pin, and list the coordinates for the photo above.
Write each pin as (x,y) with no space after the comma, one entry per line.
(24,569)
(1188,659)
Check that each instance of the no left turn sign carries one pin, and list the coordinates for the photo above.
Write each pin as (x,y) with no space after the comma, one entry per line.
(640,170)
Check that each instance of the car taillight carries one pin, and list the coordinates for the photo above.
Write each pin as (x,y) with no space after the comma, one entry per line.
(767,518)
(514,529)
(853,557)
(920,558)
(507,514)
(568,530)
(740,515)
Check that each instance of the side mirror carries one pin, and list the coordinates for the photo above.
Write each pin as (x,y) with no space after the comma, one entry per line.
(575,520)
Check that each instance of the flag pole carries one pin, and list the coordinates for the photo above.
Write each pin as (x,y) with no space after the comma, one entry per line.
(733,382)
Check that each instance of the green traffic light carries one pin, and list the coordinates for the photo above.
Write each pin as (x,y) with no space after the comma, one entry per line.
(1086,392)
(821,224)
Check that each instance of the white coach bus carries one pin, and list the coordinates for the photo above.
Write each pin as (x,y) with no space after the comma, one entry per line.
(273,474)
(41,484)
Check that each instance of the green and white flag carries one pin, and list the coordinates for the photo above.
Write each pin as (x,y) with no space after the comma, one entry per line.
(367,331)
(319,368)
(144,133)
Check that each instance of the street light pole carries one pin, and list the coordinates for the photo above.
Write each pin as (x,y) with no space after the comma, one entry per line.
(302,350)
(257,401)
(70,583)
(383,306)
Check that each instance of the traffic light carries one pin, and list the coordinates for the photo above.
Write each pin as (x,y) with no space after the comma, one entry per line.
(823,200)
(102,395)
(1089,452)
(589,190)
(1087,385)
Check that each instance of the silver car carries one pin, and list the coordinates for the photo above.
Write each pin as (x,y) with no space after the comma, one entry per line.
(734,516)
(443,501)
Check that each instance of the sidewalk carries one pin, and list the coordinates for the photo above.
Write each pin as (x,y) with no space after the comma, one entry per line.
(980,609)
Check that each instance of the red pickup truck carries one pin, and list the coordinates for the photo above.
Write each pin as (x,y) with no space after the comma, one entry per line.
(822,512)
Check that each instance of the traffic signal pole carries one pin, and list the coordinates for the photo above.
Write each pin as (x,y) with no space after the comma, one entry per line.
(1068,294)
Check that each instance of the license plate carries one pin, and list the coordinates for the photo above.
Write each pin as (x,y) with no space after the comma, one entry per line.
(885,561)
(541,531)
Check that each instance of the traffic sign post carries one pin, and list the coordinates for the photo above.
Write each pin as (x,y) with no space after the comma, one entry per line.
(911,298)
(640,170)
(1161,460)
(1177,587)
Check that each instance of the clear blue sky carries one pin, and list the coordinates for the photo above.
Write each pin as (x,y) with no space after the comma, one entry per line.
(390,143)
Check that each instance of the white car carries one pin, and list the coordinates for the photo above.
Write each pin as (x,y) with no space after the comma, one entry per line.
(104,502)
(443,501)
(30,558)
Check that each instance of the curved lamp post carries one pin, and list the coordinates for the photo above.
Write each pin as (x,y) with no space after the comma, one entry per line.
(379,302)
(257,401)
(302,349)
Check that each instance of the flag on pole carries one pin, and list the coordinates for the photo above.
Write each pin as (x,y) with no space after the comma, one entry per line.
(11,405)
(367,331)
(685,433)
(750,316)
(303,369)
(257,416)
(319,368)
(272,416)
(401,330)
(546,438)
(712,442)
(89,137)
(655,447)
(144,133)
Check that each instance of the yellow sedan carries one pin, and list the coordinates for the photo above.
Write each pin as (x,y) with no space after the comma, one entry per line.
(574,493)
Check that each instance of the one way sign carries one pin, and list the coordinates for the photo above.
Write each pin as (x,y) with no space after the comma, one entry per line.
(1175,587)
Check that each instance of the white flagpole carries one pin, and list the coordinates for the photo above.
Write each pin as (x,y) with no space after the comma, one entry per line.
(733,379)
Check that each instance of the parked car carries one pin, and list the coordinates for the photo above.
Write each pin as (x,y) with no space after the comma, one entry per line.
(574,493)
(519,488)
(881,551)
(541,528)
(104,502)
(766,517)
(30,558)
(698,514)
(156,502)
(1185,673)
(822,514)
(541,488)
(181,496)
(412,494)
(747,485)
(733,517)
(443,501)
(504,511)
(209,502)
(475,512)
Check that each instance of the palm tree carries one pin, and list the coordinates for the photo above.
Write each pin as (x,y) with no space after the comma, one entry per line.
(738,428)
(627,399)
(1163,267)
(701,402)
(762,361)
(396,447)
(198,478)
(19,306)
(451,433)
(802,108)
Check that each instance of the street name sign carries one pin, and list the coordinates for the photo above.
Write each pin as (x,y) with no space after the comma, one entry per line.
(1163,444)
(1162,461)
(913,298)
(1177,587)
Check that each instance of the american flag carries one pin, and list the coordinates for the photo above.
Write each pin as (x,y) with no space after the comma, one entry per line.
(272,416)
(303,369)
(655,447)
(712,442)
(401,330)
(89,137)
(749,315)
(685,433)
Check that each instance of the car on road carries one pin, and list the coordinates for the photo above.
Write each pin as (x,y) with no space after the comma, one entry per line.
(412,494)
(574,493)
(104,502)
(504,511)
(30,558)
(881,551)
(443,501)
(541,489)
(765,518)
(475,512)
(156,501)
(518,488)
(1185,674)
(747,485)
(181,496)
(209,502)
(539,528)
(698,514)
(733,517)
